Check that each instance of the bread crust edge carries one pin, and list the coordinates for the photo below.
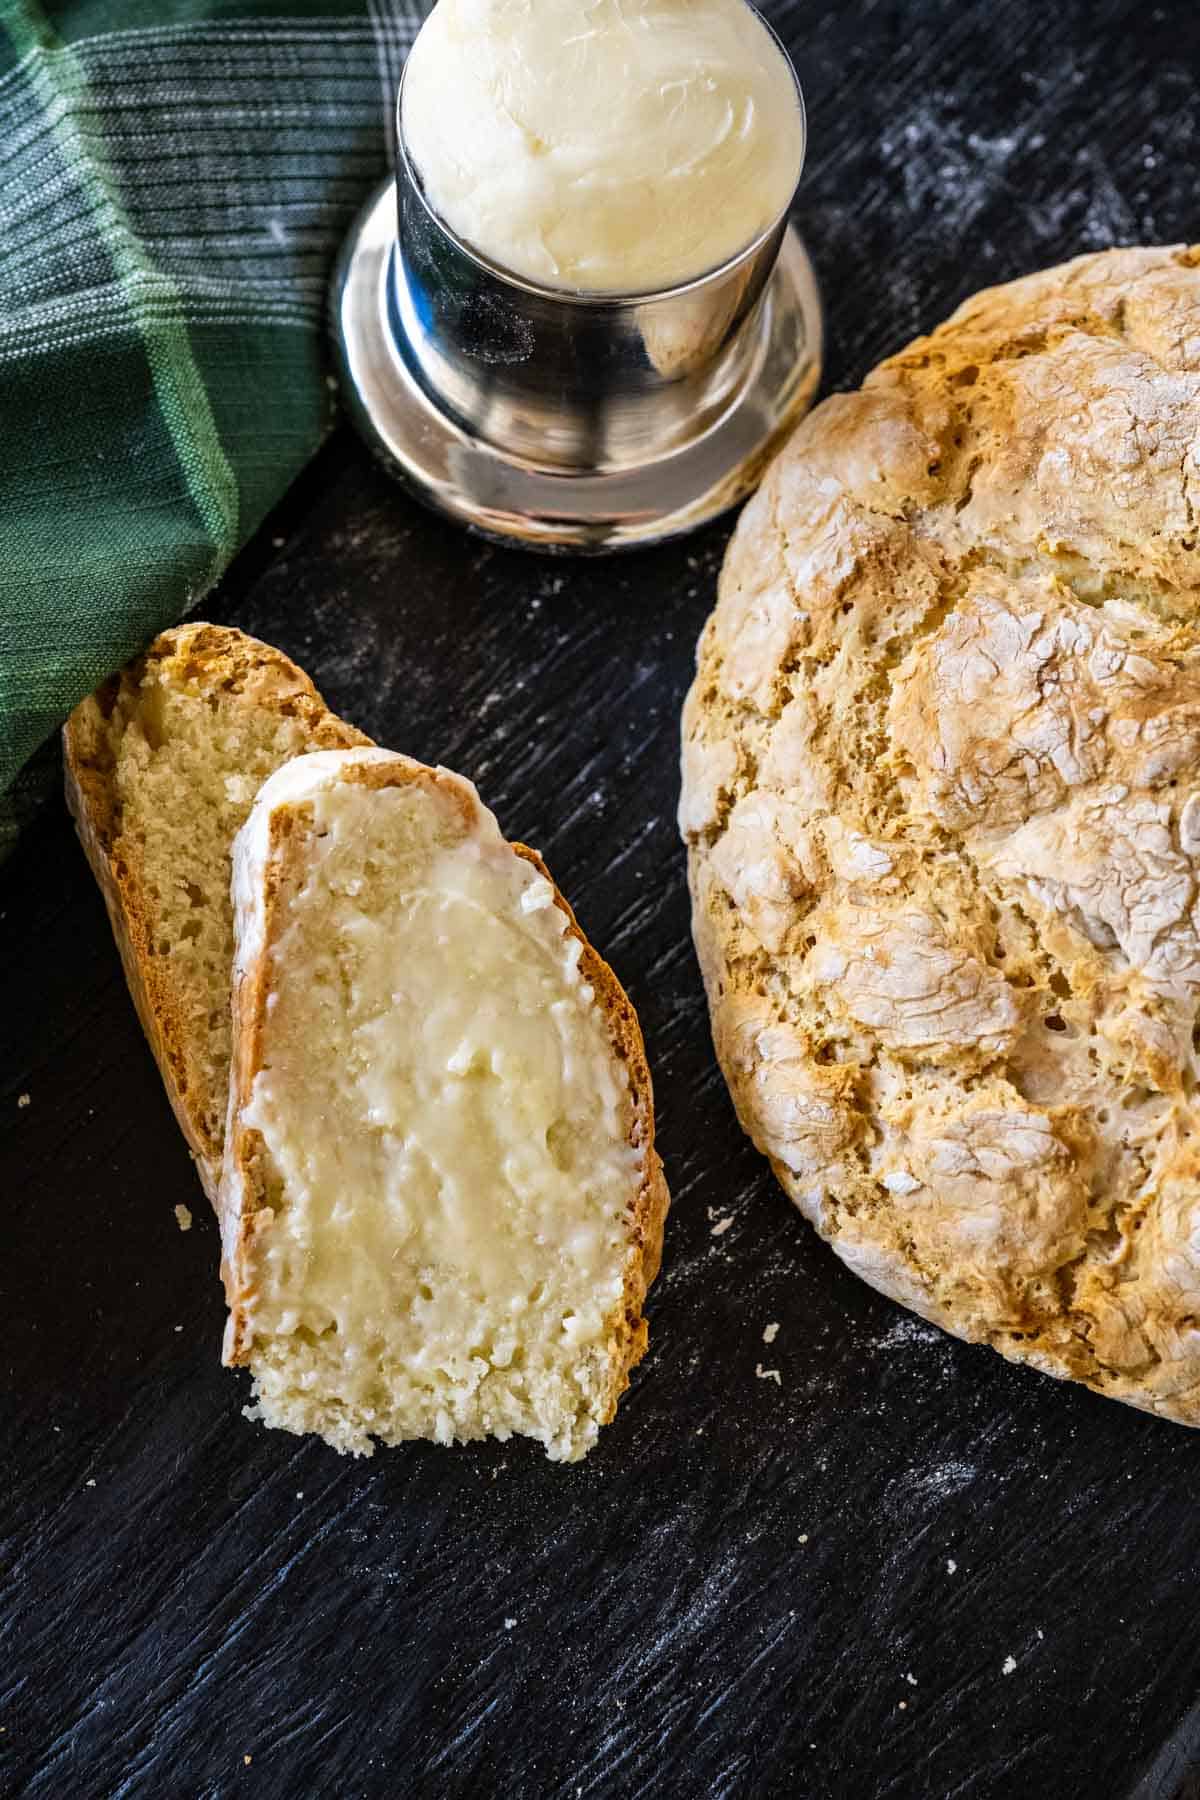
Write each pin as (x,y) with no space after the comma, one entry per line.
(217,654)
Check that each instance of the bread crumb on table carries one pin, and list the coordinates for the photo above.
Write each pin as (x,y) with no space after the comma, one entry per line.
(1009,1666)
(768,1374)
(951,1565)
(183,1218)
(771,1332)
(721,1225)
(23,1099)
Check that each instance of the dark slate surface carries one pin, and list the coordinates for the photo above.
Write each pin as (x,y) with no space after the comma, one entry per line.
(810,1587)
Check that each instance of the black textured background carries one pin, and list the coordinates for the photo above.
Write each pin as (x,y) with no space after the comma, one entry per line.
(803,1587)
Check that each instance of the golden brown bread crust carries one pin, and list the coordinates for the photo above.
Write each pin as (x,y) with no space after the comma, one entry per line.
(942,797)
(244,1196)
(223,662)
(629,1335)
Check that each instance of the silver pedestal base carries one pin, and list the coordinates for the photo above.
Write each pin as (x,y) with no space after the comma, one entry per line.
(595,509)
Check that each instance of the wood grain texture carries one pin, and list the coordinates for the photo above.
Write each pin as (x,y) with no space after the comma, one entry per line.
(809,1586)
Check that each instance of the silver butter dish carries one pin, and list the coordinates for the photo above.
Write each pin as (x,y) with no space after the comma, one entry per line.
(565,420)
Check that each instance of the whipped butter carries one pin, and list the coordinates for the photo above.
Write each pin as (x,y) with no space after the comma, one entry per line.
(602,145)
(438,1097)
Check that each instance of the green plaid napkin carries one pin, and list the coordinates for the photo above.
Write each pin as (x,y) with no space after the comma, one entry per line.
(174,182)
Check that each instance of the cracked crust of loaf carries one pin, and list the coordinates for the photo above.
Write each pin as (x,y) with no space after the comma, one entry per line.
(245,1187)
(942,800)
(231,670)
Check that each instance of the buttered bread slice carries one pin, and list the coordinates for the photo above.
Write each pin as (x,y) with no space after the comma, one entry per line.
(441,1205)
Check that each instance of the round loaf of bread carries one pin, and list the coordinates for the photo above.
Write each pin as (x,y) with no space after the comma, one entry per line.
(942,797)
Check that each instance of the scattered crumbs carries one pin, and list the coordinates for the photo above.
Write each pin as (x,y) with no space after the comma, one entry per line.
(910,1678)
(941,1481)
(178,1327)
(509,1623)
(722,1225)
(803,1537)
(499,1470)
(1009,1666)
(183,1218)
(771,1332)
(247,1760)
(89,1484)
(299,1493)
(906,1332)
(951,1566)
(23,1099)
(768,1374)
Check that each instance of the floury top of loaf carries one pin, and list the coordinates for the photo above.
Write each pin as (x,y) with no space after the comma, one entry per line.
(942,797)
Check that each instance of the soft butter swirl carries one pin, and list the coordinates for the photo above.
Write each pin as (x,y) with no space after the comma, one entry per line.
(603,145)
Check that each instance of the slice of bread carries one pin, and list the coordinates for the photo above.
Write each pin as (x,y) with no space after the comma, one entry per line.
(162,766)
(441,1206)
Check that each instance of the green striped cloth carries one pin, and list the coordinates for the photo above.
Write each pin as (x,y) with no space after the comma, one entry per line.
(174,182)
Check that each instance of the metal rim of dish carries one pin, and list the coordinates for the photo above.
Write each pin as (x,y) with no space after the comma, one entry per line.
(501,495)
